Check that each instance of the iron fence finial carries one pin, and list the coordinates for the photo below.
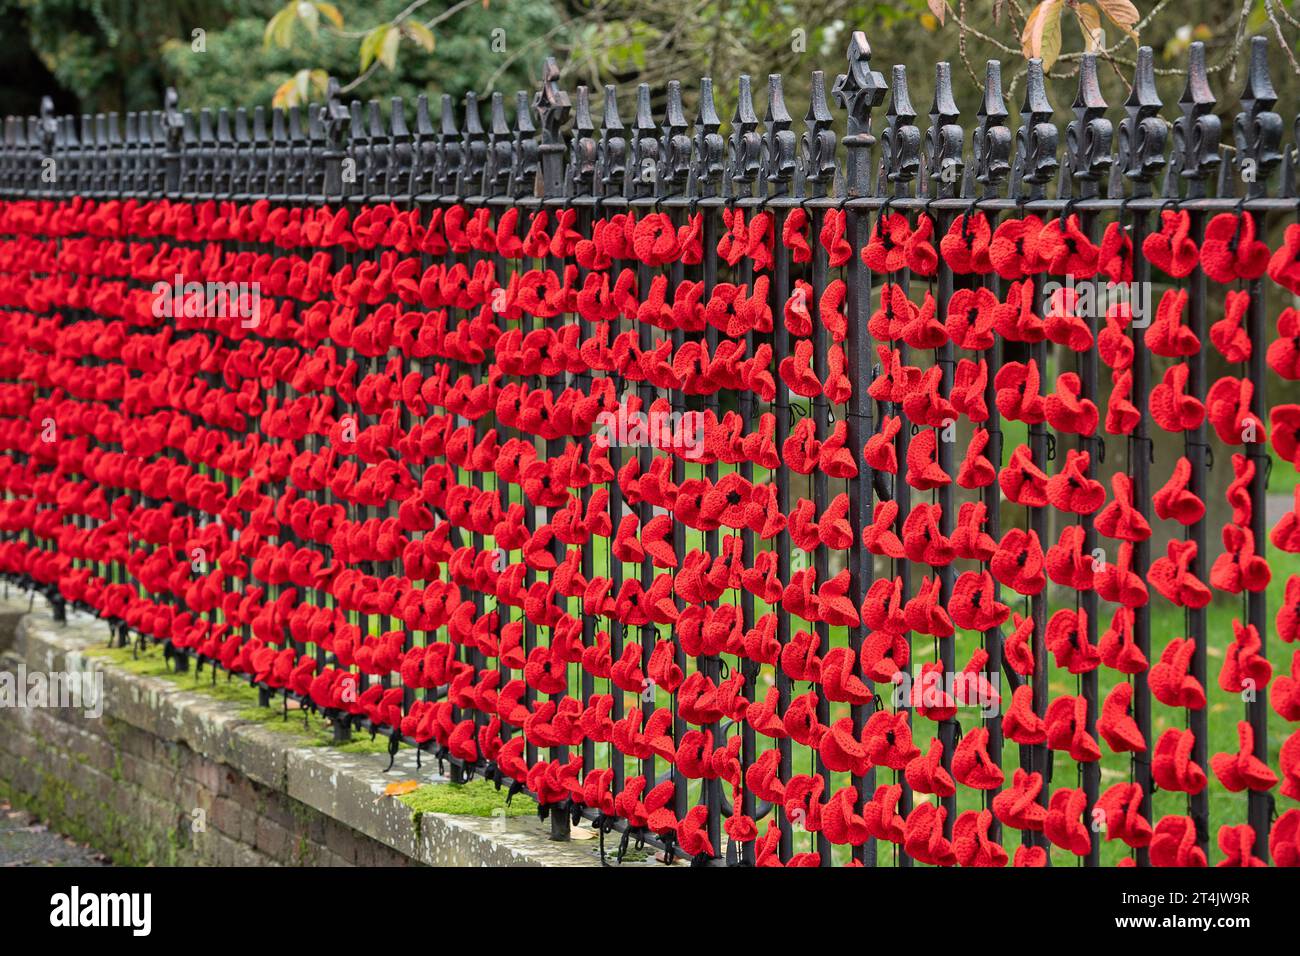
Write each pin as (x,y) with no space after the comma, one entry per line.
(1142,133)
(553,108)
(1088,136)
(710,147)
(744,148)
(1196,133)
(523,174)
(611,149)
(817,152)
(674,146)
(1036,140)
(859,90)
(1257,130)
(901,140)
(779,142)
(473,148)
(582,147)
(945,139)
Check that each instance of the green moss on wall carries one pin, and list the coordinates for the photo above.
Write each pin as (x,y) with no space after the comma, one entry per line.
(478,798)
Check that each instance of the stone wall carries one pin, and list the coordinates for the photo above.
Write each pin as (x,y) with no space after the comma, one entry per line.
(178,771)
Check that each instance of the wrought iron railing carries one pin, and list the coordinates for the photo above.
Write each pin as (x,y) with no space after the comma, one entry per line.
(693,651)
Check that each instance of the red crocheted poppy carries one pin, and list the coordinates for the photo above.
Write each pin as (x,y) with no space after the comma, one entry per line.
(1016,248)
(1015,319)
(1067,249)
(1018,562)
(1167,335)
(1116,724)
(1171,407)
(888,248)
(1228,334)
(965,247)
(794,235)
(1231,251)
(1171,249)
(970,318)
(1171,680)
(1174,501)
(1018,395)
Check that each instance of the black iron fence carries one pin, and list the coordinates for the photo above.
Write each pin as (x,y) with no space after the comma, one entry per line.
(700,651)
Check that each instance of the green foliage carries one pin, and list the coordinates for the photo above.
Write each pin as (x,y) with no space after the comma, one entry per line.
(106,52)
(120,54)
(239,66)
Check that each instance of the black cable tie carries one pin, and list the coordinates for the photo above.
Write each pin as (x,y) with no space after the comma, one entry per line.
(1151,446)
(394,744)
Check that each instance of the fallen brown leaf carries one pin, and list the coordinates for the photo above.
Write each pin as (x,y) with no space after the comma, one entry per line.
(398,788)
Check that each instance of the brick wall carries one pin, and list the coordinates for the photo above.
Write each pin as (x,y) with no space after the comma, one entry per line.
(141,799)
(169,776)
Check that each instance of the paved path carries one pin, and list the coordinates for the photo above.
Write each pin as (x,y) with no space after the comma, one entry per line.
(25,841)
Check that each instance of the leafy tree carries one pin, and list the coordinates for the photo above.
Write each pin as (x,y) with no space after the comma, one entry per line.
(376,49)
(106,52)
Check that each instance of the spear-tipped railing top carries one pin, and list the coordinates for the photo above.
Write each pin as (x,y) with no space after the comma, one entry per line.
(1257,130)
(709,146)
(643,161)
(817,151)
(1036,139)
(674,146)
(744,148)
(779,141)
(496,174)
(611,148)
(582,147)
(1143,133)
(523,173)
(473,148)
(945,138)
(901,140)
(1089,135)
(553,109)
(1196,133)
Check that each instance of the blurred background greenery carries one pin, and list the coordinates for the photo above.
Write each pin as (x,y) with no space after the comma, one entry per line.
(99,55)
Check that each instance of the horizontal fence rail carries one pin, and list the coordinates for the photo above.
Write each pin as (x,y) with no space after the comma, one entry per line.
(740,487)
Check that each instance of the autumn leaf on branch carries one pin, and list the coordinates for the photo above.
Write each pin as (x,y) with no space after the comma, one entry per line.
(1042,34)
(279,29)
(298,88)
(1123,14)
